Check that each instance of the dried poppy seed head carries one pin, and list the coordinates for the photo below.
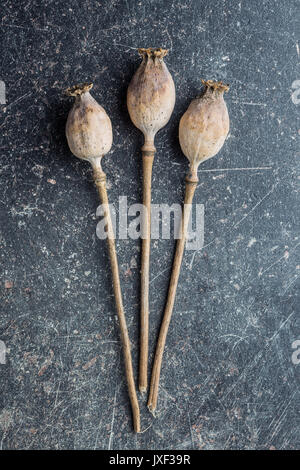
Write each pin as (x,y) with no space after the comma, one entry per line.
(205,125)
(151,93)
(88,127)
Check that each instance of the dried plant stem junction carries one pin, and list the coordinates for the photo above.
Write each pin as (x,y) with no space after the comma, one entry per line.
(191,184)
(100,182)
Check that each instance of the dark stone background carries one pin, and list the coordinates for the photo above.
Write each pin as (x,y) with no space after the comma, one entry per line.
(228,380)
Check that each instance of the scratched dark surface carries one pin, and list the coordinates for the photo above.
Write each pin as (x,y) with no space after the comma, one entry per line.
(228,379)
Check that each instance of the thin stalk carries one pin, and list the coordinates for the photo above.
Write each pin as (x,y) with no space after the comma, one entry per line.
(148,157)
(100,182)
(191,184)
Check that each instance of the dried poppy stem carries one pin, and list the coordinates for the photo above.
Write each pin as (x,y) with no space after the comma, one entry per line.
(148,157)
(89,135)
(191,184)
(202,132)
(150,102)
(100,182)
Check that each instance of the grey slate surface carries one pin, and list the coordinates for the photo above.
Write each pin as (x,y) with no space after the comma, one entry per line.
(228,380)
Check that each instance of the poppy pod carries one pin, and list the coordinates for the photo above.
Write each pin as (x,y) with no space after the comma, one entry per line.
(89,135)
(204,126)
(88,127)
(202,132)
(150,102)
(151,93)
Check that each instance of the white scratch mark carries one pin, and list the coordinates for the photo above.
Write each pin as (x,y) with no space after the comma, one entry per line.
(191,431)
(256,205)
(290,284)
(285,256)
(239,169)
(142,432)
(281,326)
(159,274)
(244,373)
(249,103)
(56,396)
(192,260)
(271,265)
(18,99)
(240,338)
(279,421)
(97,436)
(112,421)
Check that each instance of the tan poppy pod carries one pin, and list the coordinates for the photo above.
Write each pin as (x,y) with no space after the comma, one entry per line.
(205,125)
(151,94)
(88,127)
(150,102)
(202,131)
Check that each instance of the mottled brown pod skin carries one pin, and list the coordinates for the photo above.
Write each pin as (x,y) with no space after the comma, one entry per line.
(88,128)
(202,131)
(205,125)
(151,94)
(150,102)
